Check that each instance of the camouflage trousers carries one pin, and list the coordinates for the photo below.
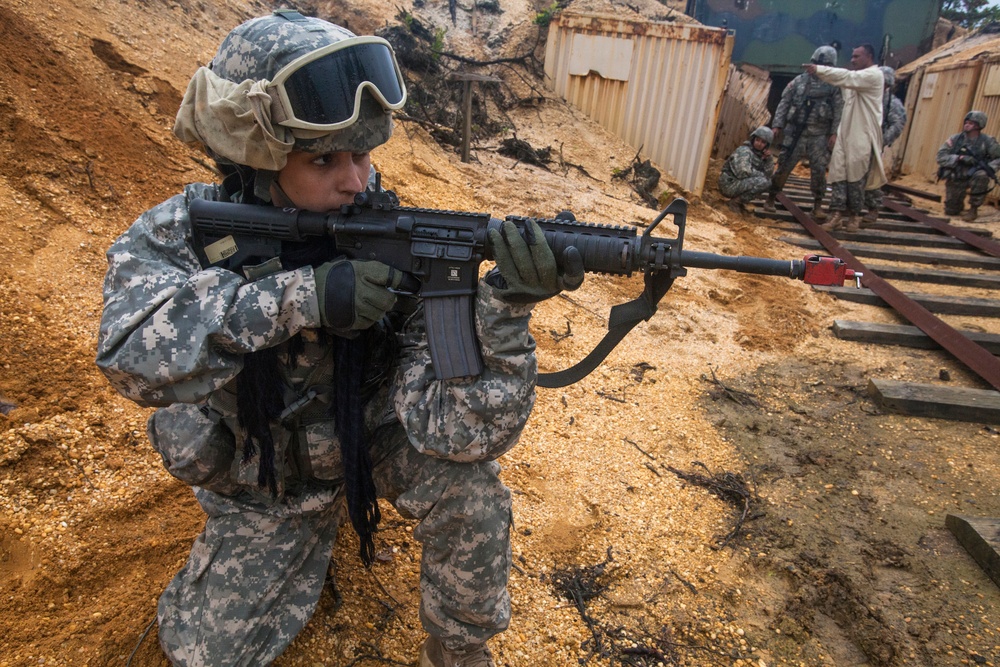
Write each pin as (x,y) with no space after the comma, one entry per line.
(978,186)
(745,189)
(255,574)
(847,196)
(816,149)
(873,199)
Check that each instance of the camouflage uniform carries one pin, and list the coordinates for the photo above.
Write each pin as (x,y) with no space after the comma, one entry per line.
(960,178)
(175,334)
(746,173)
(820,104)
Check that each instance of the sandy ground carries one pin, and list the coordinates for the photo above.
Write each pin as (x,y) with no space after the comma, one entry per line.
(843,558)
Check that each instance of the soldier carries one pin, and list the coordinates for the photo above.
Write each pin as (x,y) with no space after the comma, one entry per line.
(893,121)
(805,124)
(856,160)
(287,388)
(968,162)
(747,171)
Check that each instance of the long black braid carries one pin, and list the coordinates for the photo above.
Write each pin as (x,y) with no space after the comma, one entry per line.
(260,391)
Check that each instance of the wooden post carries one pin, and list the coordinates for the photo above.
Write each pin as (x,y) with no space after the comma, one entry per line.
(467,121)
(467,107)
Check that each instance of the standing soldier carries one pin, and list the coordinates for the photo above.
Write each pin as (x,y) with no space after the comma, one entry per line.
(893,120)
(805,123)
(747,171)
(968,162)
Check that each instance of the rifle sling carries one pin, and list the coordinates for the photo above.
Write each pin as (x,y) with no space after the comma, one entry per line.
(622,320)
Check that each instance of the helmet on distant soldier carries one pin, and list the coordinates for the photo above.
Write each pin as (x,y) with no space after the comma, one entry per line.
(977,117)
(763,132)
(824,55)
(288,82)
(889,74)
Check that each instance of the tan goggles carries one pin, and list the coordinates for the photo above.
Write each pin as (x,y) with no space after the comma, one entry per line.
(322,89)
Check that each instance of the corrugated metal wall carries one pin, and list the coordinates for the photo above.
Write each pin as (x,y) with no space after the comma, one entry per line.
(987,98)
(744,107)
(658,86)
(943,98)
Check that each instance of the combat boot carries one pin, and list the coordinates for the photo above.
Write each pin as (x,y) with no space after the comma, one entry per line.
(970,215)
(434,654)
(769,204)
(835,222)
(853,224)
(817,212)
(736,206)
(869,219)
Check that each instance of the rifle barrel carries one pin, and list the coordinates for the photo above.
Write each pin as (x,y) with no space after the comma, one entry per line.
(788,268)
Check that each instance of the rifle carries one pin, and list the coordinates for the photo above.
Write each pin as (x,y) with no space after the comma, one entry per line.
(979,163)
(441,252)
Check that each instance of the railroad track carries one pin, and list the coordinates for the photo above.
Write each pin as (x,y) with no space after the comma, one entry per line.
(924,249)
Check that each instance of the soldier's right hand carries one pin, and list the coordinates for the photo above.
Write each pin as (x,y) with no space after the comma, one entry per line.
(966,159)
(355,294)
(778,132)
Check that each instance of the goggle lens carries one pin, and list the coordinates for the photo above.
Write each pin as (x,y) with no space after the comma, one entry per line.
(324,91)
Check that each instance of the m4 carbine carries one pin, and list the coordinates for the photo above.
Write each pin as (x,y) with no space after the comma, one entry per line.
(441,251)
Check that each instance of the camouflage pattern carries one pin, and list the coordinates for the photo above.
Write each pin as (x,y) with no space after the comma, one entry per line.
(746,173)
(820,104)
(961,179)
(257,49)
(977,117)
(848,196)
(174,334)
(893,121)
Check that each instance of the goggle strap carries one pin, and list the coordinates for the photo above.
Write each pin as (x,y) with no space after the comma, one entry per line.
(279,113)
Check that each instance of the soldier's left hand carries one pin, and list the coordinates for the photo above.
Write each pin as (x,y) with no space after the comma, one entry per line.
(831,141)
(526,270)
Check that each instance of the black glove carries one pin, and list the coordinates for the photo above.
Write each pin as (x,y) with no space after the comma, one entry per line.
(526,270)
(966,159)
(355,294)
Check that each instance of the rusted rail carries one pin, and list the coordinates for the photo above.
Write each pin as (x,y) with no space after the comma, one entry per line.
(987,245)
(974,356)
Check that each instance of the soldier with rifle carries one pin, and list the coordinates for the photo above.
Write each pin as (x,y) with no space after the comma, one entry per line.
(805,124)
(968,162)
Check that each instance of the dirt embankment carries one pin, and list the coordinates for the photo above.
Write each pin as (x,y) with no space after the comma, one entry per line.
(842,558)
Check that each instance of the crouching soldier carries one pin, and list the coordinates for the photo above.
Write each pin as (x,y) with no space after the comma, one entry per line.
(968,163)
(746,173)
(292,388)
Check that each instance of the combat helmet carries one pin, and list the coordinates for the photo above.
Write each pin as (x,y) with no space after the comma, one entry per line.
(824,55)
(889,75)
(977,117)
(763,132)
(288,82)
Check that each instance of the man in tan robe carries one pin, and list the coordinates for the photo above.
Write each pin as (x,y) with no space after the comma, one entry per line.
(856,162)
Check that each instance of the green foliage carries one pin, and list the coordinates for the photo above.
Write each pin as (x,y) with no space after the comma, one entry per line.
(544,17)
(438,46)
(970,14)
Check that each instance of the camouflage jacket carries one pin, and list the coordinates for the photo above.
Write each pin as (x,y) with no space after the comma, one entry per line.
(807,97)
(893,119)
(984,147)
(174,334)
(745,162)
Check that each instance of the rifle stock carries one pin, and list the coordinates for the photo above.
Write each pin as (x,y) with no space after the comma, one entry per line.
(443,250)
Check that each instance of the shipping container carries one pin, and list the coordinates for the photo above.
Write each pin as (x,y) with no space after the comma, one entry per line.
(656,85)
(780,35)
